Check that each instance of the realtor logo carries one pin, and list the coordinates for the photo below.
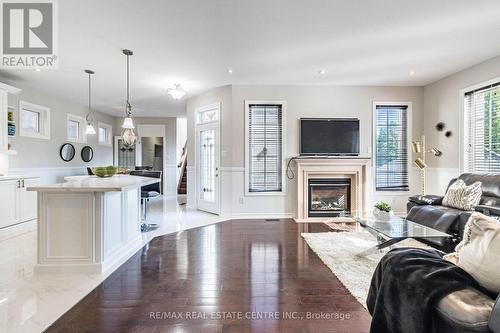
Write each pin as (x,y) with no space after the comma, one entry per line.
(29,34)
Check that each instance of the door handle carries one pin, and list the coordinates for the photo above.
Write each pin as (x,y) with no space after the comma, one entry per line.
(18,184)
(22,180)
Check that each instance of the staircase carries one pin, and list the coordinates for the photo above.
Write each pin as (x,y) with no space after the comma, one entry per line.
(182,184)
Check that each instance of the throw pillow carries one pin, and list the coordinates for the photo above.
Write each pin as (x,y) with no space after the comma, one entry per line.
(461,196)
(477,253)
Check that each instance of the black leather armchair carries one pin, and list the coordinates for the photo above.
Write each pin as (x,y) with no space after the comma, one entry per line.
(467,310)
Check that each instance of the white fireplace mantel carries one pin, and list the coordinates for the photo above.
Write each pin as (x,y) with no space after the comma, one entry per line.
(354,168)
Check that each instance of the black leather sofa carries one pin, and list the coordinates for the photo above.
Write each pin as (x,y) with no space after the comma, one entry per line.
(428,210)
(465,310)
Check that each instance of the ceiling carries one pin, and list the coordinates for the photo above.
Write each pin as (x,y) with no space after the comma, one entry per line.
(195,42)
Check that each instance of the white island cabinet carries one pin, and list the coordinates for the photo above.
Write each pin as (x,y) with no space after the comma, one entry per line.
(89,224)
(16,204)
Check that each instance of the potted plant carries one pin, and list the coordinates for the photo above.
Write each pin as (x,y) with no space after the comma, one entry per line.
(382,211)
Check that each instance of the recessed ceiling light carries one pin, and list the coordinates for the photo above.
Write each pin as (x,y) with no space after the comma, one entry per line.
(321,72)
(412,73)
(230,71)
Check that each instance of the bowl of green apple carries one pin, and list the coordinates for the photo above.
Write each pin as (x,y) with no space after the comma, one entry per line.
(104,172)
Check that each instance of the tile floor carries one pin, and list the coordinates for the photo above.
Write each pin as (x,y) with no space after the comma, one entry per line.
(31,302)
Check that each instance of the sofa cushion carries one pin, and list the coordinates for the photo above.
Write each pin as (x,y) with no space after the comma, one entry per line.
(437,217)
(462,196)
(490,182)
(477,253)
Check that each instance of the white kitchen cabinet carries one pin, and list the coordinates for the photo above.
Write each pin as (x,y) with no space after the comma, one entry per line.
(9,202)
(16,204)
(3,120)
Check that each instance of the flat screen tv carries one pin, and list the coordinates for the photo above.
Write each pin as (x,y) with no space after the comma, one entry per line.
(329,136)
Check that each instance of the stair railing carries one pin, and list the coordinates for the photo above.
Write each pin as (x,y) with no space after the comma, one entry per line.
(182,165)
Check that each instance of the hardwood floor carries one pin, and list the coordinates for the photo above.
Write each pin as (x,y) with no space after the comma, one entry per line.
(214,279)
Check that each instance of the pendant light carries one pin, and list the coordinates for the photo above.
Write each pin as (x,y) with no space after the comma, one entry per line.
(176,93)
(128,135)
(90,130)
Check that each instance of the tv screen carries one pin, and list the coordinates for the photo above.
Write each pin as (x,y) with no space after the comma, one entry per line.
(332,136)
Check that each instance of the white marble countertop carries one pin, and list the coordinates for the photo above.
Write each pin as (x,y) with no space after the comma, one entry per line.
(95,184)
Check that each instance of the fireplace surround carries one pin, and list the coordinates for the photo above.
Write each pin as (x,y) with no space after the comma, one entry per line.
(336,169)
(329,197)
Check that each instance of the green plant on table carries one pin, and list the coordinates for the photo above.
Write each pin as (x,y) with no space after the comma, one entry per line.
(383,206)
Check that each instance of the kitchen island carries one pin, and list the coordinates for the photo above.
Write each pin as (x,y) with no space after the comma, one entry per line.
(89,224)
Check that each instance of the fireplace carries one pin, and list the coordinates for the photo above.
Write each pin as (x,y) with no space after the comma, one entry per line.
(329,197)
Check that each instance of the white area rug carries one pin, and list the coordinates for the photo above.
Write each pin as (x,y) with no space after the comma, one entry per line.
(338,251)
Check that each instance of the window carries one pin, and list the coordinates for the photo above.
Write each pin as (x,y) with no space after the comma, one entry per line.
(105,132)
(391,146)
(265,150)
(30,121)
(211,113)
(76,129)
(34,120)
(482,129)
(73,130)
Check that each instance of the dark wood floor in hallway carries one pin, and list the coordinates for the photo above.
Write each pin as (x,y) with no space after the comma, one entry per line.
(239,269)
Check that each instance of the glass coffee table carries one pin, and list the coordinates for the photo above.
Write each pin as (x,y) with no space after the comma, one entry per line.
(394,231)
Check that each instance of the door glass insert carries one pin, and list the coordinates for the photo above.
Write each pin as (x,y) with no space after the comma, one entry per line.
(207,165)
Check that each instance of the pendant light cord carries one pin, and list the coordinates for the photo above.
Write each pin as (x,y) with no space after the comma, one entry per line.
(89,114)
(128,107)
(90,94)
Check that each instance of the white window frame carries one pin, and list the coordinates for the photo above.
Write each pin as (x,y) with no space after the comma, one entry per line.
(283,149)
(408,142)
(211,107)
(461,132)
(44,120)
(108,140)
(82,125)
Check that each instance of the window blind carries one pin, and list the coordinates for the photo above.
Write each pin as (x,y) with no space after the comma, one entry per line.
(391,147)
(265,135)
(482,129)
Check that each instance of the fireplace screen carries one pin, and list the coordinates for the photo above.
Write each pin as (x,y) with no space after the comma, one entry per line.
(329,197)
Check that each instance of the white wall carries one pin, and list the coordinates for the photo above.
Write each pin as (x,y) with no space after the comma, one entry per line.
(301,101)
(40,157)
(442,103)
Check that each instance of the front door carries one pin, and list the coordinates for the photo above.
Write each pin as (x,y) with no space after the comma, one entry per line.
(208,167)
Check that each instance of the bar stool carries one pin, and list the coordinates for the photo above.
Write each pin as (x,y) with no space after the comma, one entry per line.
(148,192)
